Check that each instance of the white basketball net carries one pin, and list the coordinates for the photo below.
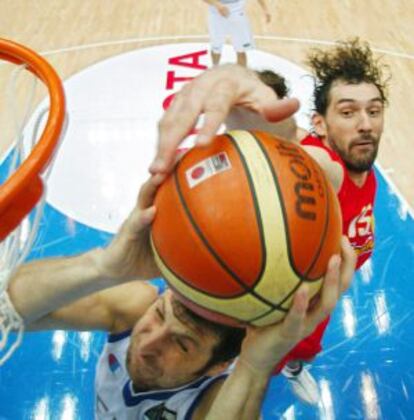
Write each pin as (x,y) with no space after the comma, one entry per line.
(16,247)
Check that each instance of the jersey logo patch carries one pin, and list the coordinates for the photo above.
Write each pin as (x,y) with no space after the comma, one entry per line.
(160,412)
(113,363)
(362,225)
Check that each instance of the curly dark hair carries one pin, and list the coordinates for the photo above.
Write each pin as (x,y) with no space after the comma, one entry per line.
(350,61)
(275,81)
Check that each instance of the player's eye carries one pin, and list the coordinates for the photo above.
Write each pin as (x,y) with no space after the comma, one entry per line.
(347,113)
(374,112)
(182,346)
(159,313)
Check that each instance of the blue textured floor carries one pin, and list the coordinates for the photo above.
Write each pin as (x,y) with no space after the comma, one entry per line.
(366,370)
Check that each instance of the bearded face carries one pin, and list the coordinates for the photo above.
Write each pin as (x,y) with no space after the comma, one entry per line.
(353,124)
(360,152)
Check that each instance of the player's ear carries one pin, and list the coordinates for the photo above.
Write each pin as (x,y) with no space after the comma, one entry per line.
(319,125)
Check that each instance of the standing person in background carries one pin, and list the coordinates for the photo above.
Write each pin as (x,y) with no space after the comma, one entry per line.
(228,18)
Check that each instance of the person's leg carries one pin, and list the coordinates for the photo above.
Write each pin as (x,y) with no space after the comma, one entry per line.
(242,59)
(215,58)
(294,365)
(302,383)
(241,35)
(216,31)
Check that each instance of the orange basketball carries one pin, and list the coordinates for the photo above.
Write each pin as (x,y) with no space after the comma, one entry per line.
(241,224)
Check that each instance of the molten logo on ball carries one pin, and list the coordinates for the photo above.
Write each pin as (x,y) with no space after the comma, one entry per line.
(304,188)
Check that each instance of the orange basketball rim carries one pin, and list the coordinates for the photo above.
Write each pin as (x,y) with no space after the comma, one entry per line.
(23,189)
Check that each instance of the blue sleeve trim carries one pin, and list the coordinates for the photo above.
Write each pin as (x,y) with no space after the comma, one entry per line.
(132,399)
(113,338)
(160,284)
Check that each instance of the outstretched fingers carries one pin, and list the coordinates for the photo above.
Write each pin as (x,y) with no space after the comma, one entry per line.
(259,98)
(144,212)
(216,108)
(148,191)
(213,93)
(336,281)
(329,295)
(209,94)
(294,322)
(279,109)
(174,126)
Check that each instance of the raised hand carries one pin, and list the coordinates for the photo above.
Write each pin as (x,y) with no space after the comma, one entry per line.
(213,94)
(129,254)
(263,347)
(223,10)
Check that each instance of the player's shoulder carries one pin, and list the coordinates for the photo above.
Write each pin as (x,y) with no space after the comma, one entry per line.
(331,166)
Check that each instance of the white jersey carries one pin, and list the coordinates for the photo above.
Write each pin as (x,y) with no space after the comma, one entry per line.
(116,398)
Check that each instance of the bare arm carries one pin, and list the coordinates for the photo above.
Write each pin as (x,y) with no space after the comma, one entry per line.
(115,310)
(265,9)
(333,170)
(240,396)
(43,286)
(221,8)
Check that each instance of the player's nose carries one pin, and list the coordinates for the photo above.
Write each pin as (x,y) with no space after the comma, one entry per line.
(155,340)
(364,122)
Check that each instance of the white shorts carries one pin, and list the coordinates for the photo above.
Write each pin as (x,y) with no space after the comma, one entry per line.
(236,25)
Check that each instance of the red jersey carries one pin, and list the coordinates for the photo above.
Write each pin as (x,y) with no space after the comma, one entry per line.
(358,225)
(357,205)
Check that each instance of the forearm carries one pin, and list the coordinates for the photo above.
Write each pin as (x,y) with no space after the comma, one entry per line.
(42,286)
(241,395)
